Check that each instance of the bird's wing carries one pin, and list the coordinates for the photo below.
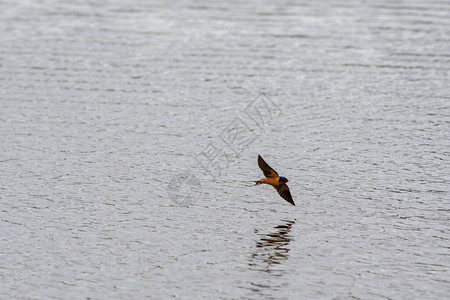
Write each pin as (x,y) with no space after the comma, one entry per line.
(267,170)
(285,193)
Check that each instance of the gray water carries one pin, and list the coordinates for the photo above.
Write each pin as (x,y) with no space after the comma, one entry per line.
(107,108)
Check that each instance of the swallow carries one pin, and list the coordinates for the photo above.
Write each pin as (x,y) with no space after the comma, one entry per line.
(272,178)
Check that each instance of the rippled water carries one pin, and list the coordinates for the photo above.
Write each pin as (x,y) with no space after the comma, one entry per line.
(104,105)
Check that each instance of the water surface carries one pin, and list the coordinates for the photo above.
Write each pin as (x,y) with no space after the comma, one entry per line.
(102,106)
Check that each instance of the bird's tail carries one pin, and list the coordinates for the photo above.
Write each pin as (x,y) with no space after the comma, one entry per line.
(257,182)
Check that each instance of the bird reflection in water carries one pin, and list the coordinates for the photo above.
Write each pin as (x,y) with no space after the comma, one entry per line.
(272,248)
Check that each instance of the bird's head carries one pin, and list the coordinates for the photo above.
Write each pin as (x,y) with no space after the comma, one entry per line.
(283,180)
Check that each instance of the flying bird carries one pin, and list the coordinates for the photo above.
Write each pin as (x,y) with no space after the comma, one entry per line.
(272,178)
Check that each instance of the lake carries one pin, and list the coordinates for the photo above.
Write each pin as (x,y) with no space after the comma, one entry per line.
(130,134)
